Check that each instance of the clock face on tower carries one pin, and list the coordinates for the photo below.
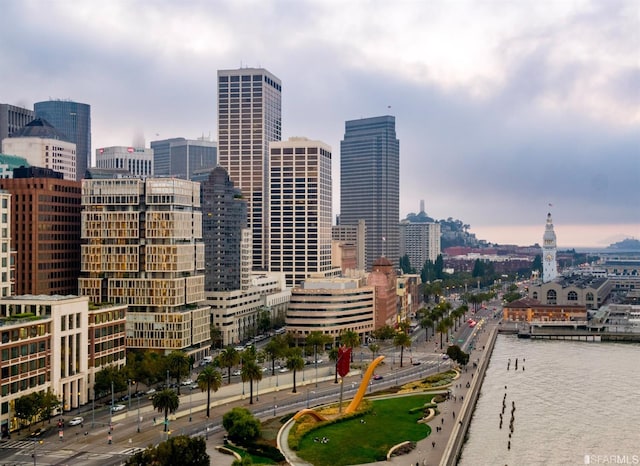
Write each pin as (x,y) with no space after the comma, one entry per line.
(549,257)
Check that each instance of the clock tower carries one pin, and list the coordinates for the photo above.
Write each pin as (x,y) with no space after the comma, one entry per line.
(549,267)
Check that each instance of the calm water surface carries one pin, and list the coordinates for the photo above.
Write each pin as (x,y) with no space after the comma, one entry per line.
(572,399)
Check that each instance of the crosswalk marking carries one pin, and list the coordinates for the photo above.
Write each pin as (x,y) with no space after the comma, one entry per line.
(18,444)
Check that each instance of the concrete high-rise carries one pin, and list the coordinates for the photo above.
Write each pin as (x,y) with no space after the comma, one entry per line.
(142,246)
(300,209)
(249,118)
(224,215)
(370,184)
(44,146)
(73,119)
(419,238)
(182,157)
(12,118)
(136,160)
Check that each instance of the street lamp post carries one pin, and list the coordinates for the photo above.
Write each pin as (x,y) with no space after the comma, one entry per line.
(129,393)
(190,392)
(93,408)
(274,406)
(138,414)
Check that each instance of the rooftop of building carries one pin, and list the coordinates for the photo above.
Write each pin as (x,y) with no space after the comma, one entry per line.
(40,128)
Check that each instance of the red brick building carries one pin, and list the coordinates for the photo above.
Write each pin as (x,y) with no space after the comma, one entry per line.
(45,225)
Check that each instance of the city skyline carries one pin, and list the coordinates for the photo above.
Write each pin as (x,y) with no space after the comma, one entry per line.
(501,108)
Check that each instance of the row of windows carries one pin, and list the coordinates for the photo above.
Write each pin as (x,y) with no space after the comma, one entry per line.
(23,333)
(23,367)
(25,384)
(24,350)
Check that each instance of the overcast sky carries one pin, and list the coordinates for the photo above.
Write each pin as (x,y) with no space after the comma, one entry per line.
(502,107)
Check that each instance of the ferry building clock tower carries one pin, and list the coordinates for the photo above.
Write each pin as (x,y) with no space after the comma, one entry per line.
(549,267)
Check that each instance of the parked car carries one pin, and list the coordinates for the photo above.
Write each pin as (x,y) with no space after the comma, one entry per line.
(151,391)
(76,421)
(187,382)
(377,377)
(237,372)
(117,408)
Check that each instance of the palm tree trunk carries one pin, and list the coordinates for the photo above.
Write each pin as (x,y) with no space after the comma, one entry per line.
(335,379)
(401,354)
(294,382)
(208,399)
(250,391)
(166,418)
(440,340)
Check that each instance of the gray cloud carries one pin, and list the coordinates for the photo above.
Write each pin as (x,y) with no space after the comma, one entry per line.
(555,120)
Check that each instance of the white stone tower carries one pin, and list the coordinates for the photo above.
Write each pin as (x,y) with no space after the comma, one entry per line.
(549,266)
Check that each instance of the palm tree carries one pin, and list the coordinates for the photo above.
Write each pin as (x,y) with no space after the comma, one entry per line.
(166,401)
(178,364)
(374,348)
(403,341)
(315,339)
(442,327)
(228,358)
(209,379)
(275,349)
(333,356)
(251,372)
(294,363)
(351,339)
(426,323)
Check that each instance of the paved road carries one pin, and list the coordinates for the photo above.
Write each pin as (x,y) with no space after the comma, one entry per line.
(88,445)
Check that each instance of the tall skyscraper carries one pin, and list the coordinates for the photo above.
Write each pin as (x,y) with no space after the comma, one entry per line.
(370,184)
(73,119)
(549,248)
(224,215)
(13,118)
(182,157)
(249,118)
(300,209)
(45,230)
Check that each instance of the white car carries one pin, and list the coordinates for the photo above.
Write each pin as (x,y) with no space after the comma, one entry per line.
(187,382)
(76,421)
(237,372)
(151,391)
(117,408)
(284,369)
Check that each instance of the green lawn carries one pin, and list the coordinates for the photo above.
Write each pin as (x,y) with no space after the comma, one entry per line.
(354,442)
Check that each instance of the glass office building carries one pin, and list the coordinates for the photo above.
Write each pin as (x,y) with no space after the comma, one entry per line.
(370,184)
(73,119)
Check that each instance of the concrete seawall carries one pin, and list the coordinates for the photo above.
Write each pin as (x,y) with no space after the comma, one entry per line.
(456,441)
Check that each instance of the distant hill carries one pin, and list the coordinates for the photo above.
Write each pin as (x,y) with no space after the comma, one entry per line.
(628,244)
(453,232)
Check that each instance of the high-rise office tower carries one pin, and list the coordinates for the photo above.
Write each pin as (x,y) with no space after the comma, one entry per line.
(45,229)
(300,209)
(136,160)
(73,119)
(370,184)
(249,118)
(142,246)
(224,215)
(182,157)
(13,118)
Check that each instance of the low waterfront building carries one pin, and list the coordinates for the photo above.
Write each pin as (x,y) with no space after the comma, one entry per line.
(579,290)
(532,310)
